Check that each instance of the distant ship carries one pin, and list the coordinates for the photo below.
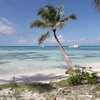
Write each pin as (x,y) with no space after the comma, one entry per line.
(74,46)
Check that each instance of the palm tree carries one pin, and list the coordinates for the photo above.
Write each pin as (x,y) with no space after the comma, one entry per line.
(97,3)
(53,18)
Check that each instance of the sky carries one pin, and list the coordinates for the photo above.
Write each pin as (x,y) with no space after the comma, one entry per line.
(16,16)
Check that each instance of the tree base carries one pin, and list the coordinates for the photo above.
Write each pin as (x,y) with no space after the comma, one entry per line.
(69,71)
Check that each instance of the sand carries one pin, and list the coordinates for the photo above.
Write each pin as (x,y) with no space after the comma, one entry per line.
(45,76)
(95,66)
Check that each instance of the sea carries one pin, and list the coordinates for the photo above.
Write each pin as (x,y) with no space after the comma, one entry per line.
(20,59)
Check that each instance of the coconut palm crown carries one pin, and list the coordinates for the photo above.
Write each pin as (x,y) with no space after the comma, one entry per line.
(53,17)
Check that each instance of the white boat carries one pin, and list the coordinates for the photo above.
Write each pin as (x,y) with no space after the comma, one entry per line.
(74,46)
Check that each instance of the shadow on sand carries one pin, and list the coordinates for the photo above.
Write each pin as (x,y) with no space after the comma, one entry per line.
(39,78)
(34,78)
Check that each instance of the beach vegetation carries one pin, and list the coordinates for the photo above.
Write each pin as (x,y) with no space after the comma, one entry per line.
(39,87)
(91,78)
(81,77)
(48,91)
(75,80)
(53,18)
(62,83)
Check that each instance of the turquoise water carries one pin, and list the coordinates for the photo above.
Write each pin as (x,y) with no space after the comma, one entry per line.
(19,59)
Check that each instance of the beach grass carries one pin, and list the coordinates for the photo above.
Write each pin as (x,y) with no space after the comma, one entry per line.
(39,87)
(47,90)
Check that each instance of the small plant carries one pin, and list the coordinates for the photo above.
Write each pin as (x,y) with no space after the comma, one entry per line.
(41,87)
(14,84)
(75,79)
(80,76)
(92,78)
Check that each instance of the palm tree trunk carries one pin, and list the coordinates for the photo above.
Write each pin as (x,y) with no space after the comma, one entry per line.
(68,61)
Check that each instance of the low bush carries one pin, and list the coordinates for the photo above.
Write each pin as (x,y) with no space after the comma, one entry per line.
(75,79)
(80,76)
(92,78)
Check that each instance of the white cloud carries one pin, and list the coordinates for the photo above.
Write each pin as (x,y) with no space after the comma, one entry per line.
(60,37)
(22,41)
(35,41)
(26,42)
(6,21)
(80,41)
(6,27)
(83,40)
(76,41)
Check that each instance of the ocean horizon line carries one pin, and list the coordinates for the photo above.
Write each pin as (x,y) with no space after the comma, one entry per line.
(44,45)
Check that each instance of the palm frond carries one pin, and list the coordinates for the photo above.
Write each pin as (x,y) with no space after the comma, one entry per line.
(40,11)
(43,37)
(46,9)
(59,12)
(48,13)
(59,25)
(38,23)
(52,17)
(50,7)
(97,4)
(72,17)
(43,12)
(62,6)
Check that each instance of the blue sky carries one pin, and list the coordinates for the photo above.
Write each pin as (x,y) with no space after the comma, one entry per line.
(16,15)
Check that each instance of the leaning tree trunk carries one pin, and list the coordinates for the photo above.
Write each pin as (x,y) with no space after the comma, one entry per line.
(68,61)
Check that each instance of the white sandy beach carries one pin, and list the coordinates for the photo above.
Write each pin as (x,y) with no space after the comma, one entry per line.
(45,75)
(40,76)
(95,66)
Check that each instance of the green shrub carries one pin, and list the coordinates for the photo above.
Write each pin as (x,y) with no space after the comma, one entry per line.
(81,76)
(92,78)
(75,79)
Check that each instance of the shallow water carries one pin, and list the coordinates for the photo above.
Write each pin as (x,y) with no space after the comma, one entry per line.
(19,59)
